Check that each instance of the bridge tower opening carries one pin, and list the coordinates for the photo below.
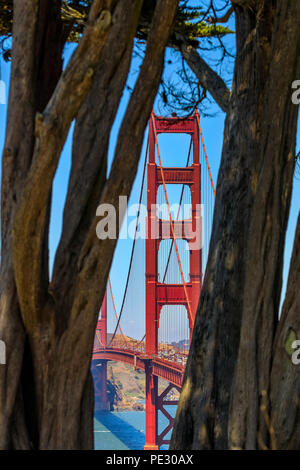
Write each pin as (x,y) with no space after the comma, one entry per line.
(158,292)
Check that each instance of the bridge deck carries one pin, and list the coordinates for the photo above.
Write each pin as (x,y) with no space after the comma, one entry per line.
(167,370)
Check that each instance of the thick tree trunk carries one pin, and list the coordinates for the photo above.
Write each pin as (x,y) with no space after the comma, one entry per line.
(35,30)
(285,375)
(238,307)
(264,256)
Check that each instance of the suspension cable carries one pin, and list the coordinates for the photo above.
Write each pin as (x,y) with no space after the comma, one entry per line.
(206,158)
(115,311)
(132,251)
(141,340)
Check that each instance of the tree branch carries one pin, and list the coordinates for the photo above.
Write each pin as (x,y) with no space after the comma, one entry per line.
(208,78)
(96,255)
(90,146)
(244,3)
(223,19)
(51,131)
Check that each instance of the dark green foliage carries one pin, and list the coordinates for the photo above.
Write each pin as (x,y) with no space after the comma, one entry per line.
(6,15)
(192,24)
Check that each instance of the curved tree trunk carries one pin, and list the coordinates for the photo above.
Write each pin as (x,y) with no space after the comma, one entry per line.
(230,357)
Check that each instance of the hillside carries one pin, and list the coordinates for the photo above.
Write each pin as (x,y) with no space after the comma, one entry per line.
(129,385)
(126,385)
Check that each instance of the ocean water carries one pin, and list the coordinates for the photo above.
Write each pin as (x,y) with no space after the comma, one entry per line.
(124,430)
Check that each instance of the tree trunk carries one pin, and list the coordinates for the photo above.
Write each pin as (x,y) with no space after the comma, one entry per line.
(220,399)
(39,34)
(285,376)
(267,228)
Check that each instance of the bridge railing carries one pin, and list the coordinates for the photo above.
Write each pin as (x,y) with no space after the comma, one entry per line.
(170,354)
(130,344)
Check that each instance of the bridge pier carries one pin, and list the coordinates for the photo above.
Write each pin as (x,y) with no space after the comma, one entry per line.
(151,412)
(100,380)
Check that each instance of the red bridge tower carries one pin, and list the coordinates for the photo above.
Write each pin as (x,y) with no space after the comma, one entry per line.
(159,294)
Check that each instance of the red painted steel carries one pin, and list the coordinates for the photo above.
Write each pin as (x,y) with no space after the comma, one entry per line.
(102,323)
(163,401)
(151,408)
(160,294)
(99,371)
(167,370)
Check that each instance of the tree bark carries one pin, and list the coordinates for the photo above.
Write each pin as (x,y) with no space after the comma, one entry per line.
(33,31)
(269,218)
(240,294)
(208,78)
(285,375)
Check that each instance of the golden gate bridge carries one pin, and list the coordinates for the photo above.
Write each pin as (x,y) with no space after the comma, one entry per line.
(164,278)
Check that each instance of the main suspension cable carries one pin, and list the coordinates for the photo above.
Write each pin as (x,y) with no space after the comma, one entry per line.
(115,311)
(133,246)
(206,158)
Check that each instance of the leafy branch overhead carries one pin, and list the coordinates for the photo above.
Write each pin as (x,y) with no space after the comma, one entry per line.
(191,23)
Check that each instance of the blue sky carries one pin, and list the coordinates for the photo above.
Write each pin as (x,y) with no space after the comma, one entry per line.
(213,134)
